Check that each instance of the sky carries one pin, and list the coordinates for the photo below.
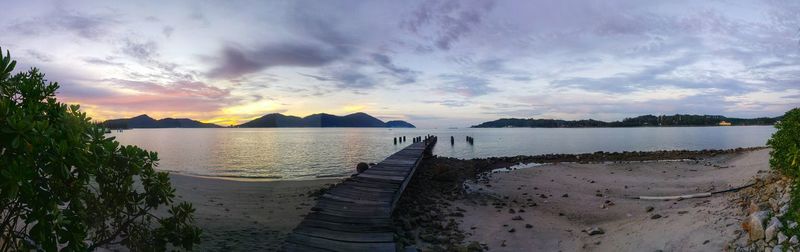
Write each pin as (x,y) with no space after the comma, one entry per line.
(444,63)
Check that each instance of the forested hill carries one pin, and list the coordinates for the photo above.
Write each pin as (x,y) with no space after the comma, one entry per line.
(359,120)
(639,121)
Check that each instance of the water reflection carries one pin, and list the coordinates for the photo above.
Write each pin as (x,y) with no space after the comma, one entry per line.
(307,153)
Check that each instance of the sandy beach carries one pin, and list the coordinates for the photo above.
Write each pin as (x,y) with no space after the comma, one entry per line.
(542,208)
(547,208)
(246,215)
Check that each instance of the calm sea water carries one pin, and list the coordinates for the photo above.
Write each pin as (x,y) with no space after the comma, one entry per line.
(308,153)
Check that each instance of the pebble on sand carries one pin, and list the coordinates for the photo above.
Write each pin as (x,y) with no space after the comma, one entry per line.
(594,231)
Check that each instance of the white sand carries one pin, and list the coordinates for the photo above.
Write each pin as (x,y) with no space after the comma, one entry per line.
(704,224)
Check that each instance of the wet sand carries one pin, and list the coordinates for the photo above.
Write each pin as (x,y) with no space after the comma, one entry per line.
(246,215)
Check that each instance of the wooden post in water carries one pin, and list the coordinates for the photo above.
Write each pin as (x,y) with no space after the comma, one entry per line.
(452,140)
(395,141)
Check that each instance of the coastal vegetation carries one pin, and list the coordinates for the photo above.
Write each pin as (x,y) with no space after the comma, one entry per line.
(274,120)
(145,121)
(785,158)
(323,120)
(65,186)
(639,121)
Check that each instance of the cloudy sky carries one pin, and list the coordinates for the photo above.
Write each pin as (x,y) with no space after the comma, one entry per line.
(433,63)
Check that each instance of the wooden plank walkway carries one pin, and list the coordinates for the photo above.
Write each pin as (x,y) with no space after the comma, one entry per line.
(356,215)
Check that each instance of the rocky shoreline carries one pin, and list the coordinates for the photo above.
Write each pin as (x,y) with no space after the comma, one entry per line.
(426,219)
(763,205)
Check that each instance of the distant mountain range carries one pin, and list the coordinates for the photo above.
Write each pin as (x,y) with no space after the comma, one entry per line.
(267,121)
(639,121)
(145,121)
(323,120)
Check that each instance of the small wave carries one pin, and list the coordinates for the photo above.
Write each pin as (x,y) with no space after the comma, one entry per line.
(517,167)
(330,176)
(250,176)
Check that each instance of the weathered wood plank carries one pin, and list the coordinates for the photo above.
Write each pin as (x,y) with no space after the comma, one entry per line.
(378,201)
(332,245)
(359,194)
(356,214)
(384,182)
(346,236)
(366,220)
(383,177)
(360,187)
(349,227)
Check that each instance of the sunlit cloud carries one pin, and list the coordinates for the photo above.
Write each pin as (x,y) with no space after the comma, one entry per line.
(435,63)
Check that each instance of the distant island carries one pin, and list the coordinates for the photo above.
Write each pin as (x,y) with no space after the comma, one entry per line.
(357,120)
(323,120)
(145,121)
(639,121)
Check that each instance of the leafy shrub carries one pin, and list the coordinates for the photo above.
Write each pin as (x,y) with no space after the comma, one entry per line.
(65,186)
(785,144)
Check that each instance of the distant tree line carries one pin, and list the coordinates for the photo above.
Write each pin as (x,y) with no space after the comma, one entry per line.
(639,121)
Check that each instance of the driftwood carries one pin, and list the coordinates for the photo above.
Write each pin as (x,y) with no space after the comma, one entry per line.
(691,196)
(687,196)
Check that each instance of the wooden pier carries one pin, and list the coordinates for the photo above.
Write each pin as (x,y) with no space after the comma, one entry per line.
(356,215)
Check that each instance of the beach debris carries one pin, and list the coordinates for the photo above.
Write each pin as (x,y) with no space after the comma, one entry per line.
(649,209)
(594,231)
(565,196)
(516,217)
(361,167)
(772,229)
(531,226)
(655,216)
(782,238)
(512,230)
(754,225)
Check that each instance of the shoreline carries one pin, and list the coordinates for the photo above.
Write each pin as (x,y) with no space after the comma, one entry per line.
(578,206)
(510,161)
(241,214)
(246,215)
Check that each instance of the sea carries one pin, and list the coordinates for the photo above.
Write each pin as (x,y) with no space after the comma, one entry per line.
(315,153)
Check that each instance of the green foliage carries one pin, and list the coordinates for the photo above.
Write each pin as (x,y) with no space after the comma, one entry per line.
(785,158)
(65,186)
(785,144)
(639,121)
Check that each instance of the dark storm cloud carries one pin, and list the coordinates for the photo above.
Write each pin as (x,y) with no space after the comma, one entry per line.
(235,62)
(90,26)
(449,20)
(353,80)
(316,77)
(404,75)
(140,50)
